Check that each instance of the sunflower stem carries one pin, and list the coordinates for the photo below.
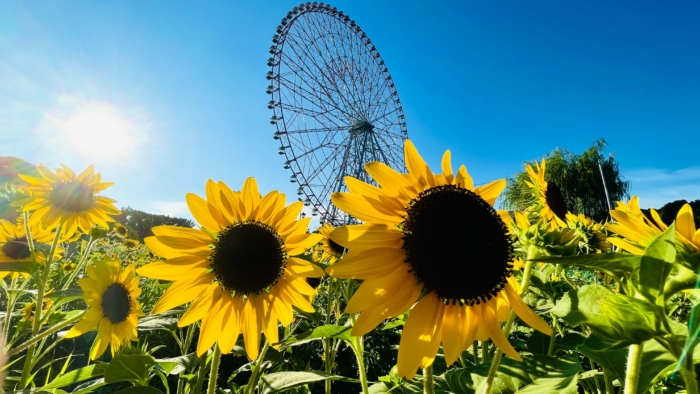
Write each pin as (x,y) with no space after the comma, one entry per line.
(214,372)
(475,349)
(253,382)
(37,338)
(609,388)
(428,381)
(485,355)
(81,264)
(359,350)
(8,312)
(186,347)
(328,363)
(524,284)
(30,240)
(688,373)
(554,334)
(29,358)
(200,374)
(634,363)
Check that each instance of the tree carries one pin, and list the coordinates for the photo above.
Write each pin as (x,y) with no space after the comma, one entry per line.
(142,222)
(578,177)
(669,211)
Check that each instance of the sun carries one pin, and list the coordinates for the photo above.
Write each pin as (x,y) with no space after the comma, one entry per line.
(99,130)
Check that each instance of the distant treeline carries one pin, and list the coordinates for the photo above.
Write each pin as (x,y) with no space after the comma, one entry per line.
(669,211)
(139,223)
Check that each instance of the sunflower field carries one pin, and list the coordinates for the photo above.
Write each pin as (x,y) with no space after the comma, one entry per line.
(434,291)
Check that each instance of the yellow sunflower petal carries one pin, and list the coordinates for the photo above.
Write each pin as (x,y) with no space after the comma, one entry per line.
(211,324)
(402,300)
(491,191)
(232,325)
(252,326)
(376,291)
(199,208)
(182,232)
(447,167)
(368,236)
(303,268)
(358,207)
(420,333)
(685,223)
(199,307)
(182,292)
(493,329)
(525,313)
(368,264)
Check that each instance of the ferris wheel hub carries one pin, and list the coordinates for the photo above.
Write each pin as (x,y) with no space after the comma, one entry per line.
(361,126)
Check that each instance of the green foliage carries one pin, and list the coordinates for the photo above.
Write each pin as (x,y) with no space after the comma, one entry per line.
(578,177)
(669,211)
(139,223)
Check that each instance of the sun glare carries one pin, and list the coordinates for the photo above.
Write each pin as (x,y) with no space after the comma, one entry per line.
(99,130)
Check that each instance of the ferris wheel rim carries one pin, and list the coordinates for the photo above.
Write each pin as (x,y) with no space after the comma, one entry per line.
(333,117)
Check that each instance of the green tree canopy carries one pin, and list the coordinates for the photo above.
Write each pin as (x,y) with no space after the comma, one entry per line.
(578,177)
(670,210)
(141,222)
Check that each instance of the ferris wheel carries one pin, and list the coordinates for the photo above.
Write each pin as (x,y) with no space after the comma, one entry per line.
(334,104)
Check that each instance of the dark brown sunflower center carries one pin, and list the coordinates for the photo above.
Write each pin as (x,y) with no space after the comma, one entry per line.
(121,230)
(555,200)
(457,245)
(116,303)
(17,248)
(73,196)
(337,249)
(248,257)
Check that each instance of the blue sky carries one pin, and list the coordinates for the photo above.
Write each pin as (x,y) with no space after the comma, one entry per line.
(498,83)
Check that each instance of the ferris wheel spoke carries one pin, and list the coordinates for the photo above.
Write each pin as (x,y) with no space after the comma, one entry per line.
(396,155)
(323,70)
(322,166)
(323,97)
(321,101)
(312,77)
(343,65)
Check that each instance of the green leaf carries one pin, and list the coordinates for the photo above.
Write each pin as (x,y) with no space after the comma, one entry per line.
(538,343)
(157,323)
(281,381)
(28,267)
(327,331)
(609,355)
(616,264)
(76,376)
(60,297)
(140,390)
(613,315)
(680,278)
(132,367)
(656,265)
(175,365)
(535,374)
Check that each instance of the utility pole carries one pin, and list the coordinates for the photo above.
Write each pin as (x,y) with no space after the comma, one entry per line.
(605,186)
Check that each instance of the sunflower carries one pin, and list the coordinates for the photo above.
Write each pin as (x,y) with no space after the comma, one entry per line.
(111,296)
(14,246)
(329,250)
(551,201)
(435,236)
(120,230)
(66,200)
(589,232)
(131,243)
(238,270)
(638,230)
(28,310)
